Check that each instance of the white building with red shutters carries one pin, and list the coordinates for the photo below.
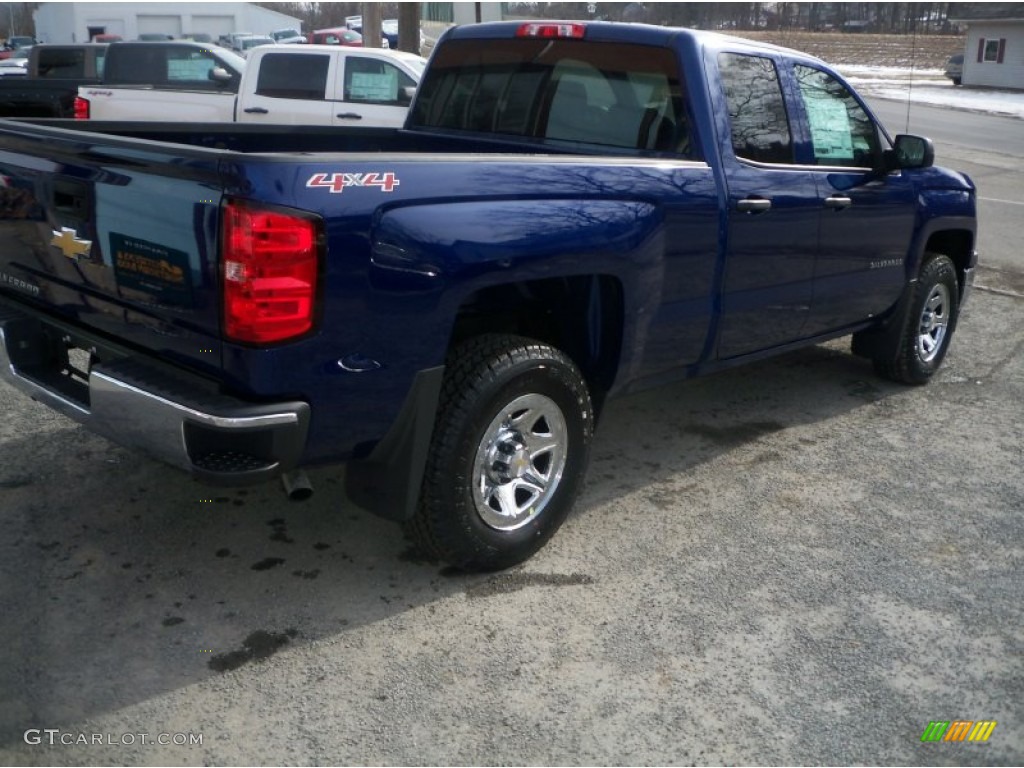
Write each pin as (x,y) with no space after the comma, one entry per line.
(994,51)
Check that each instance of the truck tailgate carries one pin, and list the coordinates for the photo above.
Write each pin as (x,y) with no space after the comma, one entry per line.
(91,233)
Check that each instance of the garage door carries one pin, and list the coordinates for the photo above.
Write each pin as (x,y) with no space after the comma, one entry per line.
(152,24)
(213,25)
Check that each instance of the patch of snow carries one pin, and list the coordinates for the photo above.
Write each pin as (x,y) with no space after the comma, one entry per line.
(930,87)
(861,70)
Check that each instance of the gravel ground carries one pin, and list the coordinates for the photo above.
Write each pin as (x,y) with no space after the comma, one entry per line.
(791,563)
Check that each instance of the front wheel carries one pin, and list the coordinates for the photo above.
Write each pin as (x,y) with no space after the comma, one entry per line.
(930,321)
(509,451)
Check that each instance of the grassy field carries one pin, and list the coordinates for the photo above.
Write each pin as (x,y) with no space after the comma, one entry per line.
(923,52)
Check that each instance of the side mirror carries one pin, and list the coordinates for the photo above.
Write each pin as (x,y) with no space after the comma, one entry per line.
(220,75)
(405,94)
(910,152)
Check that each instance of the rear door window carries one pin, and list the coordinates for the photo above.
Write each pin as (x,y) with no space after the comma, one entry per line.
(293,76)
(759,123)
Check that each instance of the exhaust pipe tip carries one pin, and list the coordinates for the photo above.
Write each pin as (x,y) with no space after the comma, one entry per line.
(297,485)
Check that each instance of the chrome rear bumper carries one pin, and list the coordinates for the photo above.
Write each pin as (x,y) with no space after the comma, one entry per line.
(171,415)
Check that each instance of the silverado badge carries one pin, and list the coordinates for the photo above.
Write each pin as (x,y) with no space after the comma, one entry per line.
(69,244)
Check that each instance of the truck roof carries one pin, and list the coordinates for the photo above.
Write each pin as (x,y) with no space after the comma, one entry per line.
(343,50)
(648,34)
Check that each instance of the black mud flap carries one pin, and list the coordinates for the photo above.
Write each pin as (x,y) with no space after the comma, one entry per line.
(387,482)
(882,342)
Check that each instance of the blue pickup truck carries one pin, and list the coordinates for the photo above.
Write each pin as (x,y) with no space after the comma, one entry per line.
(572,211)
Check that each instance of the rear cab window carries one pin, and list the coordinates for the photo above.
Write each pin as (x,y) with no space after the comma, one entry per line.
(561,93)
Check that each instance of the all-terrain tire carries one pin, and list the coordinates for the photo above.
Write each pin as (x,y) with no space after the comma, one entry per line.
(508,454)
(928,325)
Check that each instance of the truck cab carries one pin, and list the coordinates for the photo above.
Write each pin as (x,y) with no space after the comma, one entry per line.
(175,80)
(328,85)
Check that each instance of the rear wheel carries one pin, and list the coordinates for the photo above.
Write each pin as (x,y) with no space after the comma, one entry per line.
(509,451)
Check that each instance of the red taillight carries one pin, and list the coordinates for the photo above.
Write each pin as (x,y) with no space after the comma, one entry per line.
(81,108)
(270,265)
(551,30)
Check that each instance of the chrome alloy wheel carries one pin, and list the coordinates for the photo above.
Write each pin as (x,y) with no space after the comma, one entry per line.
(519,462)
(934,323)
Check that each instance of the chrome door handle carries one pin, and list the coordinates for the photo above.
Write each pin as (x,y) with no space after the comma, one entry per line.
(838,202)
(350,115)
(255,111)
(753,204)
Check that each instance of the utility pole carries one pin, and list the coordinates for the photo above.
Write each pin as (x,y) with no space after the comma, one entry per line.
(409,27)
(371,25)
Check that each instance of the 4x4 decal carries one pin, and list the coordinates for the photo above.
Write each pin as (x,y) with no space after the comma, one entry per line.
(336,182)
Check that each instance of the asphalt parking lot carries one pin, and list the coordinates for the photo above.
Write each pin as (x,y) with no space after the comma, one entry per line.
(794,562)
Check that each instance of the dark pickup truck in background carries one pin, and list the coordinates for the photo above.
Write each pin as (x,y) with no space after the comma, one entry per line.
(55,73)
(573,210)
(51,83)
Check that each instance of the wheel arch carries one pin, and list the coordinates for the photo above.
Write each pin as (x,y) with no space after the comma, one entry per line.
(958,245)
(582,315)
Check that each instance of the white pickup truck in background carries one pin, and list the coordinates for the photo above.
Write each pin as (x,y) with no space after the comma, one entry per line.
(278,84)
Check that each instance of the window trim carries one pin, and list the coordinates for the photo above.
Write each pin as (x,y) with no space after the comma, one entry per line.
(1000,51)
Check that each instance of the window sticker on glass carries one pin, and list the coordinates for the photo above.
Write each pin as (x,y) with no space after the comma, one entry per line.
(374,87)
(830,127)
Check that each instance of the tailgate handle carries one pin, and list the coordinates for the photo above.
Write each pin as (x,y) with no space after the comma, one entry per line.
(71,197)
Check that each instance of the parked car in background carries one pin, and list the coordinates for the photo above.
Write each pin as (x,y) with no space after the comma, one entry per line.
(341,36)
(9,67)
(106,38)
(245,44)
(15,45)
(19,41)
(153,37)
(288,36)
(955,68)
(51,79)
(230,40)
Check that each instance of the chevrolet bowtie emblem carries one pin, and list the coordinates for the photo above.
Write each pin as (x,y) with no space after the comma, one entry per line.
(69,244)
